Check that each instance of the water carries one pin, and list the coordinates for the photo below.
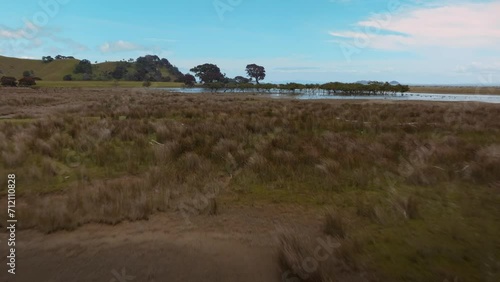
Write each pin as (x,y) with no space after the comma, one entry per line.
(304,95)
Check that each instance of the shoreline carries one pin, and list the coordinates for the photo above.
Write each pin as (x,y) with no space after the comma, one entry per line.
(463,90)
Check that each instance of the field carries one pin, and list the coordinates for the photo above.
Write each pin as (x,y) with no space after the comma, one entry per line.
(174,187)
(104,84)
(483,90)
(52,73)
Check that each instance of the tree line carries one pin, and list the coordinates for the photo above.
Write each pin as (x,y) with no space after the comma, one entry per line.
(151,68)
(29,79)
(331,88)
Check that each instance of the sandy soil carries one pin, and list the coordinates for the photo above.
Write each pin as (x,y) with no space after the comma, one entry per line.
(238,245)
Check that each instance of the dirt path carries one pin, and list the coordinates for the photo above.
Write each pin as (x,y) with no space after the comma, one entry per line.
(235,246)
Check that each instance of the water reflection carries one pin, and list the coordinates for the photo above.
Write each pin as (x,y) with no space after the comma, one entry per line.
(306,95)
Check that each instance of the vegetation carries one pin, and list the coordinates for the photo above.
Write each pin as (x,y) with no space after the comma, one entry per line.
(332,88)
(47,59)
(27,81)
(208,73)
(103,84)
(256,71)
(8,81)
(484,90)
(84,67)
(55,69)
(411,188)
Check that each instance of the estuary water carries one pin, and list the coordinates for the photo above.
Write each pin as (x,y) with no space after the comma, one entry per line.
(410,96)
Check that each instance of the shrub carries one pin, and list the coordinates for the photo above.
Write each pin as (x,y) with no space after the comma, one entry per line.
(27,82)
(68,77)
(8,81)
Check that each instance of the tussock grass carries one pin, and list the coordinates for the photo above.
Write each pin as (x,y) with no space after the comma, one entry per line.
(335,225)
(399,171)
(299,259)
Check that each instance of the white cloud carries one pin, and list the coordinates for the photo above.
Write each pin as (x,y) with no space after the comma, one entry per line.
(466,25)
(120,46)
(10,34)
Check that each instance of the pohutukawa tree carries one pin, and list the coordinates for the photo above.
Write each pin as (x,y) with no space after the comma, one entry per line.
(256,71)
(208,73)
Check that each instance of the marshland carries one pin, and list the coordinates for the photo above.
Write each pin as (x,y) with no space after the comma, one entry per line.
(407,191)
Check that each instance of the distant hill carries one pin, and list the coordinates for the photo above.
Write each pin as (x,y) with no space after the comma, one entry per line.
(57,69)
(53,71)
(366,82)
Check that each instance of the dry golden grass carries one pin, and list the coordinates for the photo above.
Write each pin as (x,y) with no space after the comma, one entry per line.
(483,90)
(399,171)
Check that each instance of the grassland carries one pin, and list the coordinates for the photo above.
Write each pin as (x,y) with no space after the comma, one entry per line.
(104,84)
(484,90)
(52,73)
(412,189)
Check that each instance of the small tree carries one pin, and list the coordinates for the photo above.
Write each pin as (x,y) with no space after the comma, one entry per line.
(189,79)
(208,73)
(68,77)
(241,79)
(84,66)
(256,71)
(47,59)
(26,73)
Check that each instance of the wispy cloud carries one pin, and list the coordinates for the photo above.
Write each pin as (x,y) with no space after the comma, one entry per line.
(120,46)
(464,25)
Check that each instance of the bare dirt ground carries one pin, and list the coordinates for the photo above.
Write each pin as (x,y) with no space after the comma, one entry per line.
(238,245)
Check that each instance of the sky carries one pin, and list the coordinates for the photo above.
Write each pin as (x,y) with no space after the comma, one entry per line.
(410,41)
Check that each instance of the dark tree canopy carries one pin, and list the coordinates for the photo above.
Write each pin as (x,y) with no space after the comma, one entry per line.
(189,79)
(27,81)
(61,57)
(208,73)
(256,71)
(84,66)
(47,59)
(241,79)
(8,81)
(149,68)
(120,71)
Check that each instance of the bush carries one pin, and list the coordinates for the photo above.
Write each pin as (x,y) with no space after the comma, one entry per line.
(146,83)
(8,81)
(27,82)
(68,77)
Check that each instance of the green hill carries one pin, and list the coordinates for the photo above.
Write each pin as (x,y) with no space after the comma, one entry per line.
(57,69)
(53,71)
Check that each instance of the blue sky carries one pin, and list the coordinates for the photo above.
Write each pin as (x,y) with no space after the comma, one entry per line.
(412,41)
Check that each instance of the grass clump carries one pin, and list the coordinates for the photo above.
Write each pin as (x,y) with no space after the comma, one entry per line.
(335,225)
